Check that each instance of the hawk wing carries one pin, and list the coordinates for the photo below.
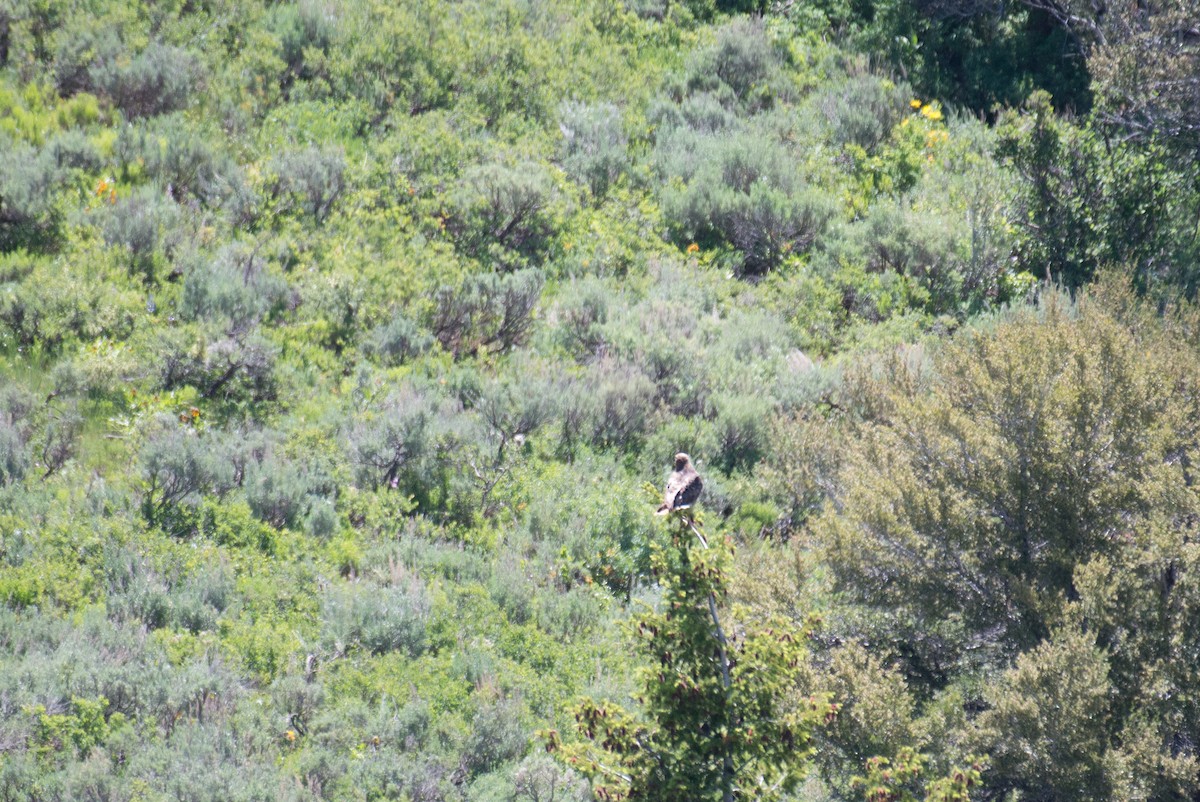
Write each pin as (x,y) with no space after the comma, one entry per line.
(689,491)
(683,488)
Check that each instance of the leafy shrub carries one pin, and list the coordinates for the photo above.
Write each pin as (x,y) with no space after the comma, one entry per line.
(581,310)
(513,592)
(238,368)
(73,150)
(518,404)
(749,338)
(801,469)
(699,112)
(14,454)
(571,614)
(322,519)
(282,492)
(134,591)
(1061,411)
(663,336)
(647,9)
(388,61)
(95,657)
(312,179)
(377,619)
(284,488)
(203,762)
(49,308)
(875,717)
(1084,203)
(16,430)
(395,445)
(160,79)
(594,144)
(539,778)
(1064,750)
(486,310)
(300,696)
(593,528)
(919,247)
(441,559)
(200,599)
(56,443)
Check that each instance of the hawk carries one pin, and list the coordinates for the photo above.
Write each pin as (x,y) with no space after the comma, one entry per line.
(683,486)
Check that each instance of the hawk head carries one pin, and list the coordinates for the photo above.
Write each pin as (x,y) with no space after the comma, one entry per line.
(682,461)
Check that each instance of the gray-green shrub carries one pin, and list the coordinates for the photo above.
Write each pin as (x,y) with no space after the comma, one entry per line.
(863,109)
(177,155)
(594,144)
(160,79)
(397,340)
(299,27)
(14,454)
(741,432)
(81,51)
(743,189)
(396,444)
(311,179)
(233,369)
(143,224)
(376,619)
(179,465)
(28,180)
(622,401)
(579,315)
(741,65)
(486,310)
(233,286)
(501,212)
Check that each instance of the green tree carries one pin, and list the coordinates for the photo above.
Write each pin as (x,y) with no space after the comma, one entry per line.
(1088,203)
(1031,497)
(968,505)
(720,715)
(1144,72)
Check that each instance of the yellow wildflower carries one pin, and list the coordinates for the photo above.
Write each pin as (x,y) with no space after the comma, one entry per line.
(290,735)
(931,112)
(915,103)
(693,248)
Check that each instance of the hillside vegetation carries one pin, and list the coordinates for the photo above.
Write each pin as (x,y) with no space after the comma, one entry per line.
(342,344)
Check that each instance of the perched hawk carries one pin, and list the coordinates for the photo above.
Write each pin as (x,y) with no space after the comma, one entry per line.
(683,486)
